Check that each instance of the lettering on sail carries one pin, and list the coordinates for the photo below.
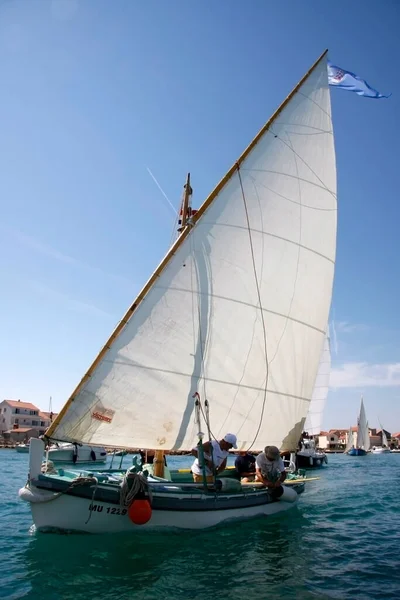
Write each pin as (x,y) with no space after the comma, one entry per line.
(103,414)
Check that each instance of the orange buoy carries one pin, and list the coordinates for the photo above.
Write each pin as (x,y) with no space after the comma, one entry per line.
(140,511)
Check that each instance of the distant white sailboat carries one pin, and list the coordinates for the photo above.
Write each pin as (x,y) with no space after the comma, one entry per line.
(385,444)
(350,441)
(363,441)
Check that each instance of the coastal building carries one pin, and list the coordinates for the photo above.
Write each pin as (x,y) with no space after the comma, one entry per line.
(396,439)
(22,434)
(374,438)
(335,440)
(23,418)
(379,434)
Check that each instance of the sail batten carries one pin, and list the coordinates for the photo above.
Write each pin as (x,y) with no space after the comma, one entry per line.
(238,309)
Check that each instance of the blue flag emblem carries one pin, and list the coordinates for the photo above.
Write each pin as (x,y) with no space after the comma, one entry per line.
(338,77)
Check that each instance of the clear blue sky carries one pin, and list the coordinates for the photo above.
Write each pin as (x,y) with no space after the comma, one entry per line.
(96,92)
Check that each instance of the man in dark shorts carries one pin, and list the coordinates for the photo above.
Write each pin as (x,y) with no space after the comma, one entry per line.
(245,466)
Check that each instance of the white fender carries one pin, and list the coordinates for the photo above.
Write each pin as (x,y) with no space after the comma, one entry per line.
(229,485)
(289,495)
(34,495)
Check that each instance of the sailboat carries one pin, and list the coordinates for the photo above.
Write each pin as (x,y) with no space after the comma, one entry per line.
(309,456)
(350,441)
(363,441)
(385,444)
(226,335)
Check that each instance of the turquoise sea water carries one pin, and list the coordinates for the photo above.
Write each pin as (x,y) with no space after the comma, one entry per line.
(343,541)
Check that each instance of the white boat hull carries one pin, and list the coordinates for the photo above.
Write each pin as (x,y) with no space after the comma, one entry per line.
(55,505)
(65,454)
(22,449)
(379,450)
(74,513)
(308,459)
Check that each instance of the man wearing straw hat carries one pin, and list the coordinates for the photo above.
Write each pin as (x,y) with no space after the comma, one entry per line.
(270,470)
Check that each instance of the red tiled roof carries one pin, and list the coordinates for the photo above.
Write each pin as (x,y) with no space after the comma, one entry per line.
(46,415)
(396,435)
(338,432)
(323,433)
(19,404)
(21,430)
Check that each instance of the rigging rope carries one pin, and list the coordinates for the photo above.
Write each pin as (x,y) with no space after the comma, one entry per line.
(202,350)
(206,416)
(260,303)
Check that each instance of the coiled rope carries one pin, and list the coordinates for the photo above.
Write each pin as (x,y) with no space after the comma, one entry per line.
(133,485)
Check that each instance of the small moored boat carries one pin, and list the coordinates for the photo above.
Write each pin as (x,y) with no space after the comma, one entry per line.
(23,448)
(309,457)
(76,453)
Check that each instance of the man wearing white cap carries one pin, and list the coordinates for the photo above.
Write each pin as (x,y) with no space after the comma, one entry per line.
(215,457)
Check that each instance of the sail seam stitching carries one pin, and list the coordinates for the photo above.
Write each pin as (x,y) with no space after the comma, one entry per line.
(316,208)
(267,310)
(298,244)
(278,237)
(322,185)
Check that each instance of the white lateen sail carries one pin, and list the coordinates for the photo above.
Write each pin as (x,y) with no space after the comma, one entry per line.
(238,309)
(350,440)
(313,422)
(363,440)
(384,438)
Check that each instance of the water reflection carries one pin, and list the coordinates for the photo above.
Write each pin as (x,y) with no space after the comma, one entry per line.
(341,542)
(257,553)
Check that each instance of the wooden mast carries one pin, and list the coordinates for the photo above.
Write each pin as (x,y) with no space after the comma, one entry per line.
(159,461)
(185,203)
(185,232)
